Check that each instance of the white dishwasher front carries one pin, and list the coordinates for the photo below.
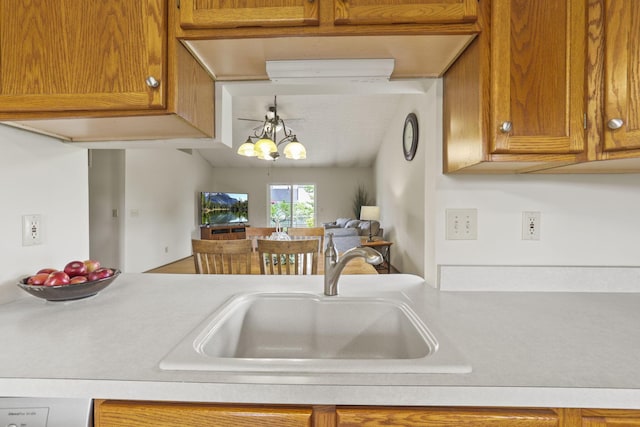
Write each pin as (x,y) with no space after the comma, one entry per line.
(45,412)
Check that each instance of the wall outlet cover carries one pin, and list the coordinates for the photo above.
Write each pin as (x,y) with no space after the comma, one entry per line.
(31,230)
(530,225)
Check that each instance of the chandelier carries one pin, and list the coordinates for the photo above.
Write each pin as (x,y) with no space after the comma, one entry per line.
(265,146)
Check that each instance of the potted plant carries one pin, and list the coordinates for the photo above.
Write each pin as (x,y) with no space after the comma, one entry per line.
(361,198)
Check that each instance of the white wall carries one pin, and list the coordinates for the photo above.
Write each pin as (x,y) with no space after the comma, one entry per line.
(160,217)
(106,206)
(585,219)
(40,175)
(401,190)
(335,188)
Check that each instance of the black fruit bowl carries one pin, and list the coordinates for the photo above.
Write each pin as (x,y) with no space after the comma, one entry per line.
(68,292)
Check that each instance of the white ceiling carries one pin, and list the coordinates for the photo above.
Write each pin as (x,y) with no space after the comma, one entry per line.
(341,124)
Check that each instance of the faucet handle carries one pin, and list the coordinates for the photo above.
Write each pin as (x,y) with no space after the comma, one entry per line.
(331,252)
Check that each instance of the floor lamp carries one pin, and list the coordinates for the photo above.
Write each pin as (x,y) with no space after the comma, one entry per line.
(370,213)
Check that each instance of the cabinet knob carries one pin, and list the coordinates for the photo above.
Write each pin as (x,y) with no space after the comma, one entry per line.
(614,124)
(152,82)
(506,127)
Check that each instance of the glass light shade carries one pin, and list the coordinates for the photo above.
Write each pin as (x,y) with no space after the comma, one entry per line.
(247,149)
(370,213)
(264,146)
(295,150)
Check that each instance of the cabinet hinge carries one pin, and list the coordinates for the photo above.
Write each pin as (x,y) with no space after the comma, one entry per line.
(584,121)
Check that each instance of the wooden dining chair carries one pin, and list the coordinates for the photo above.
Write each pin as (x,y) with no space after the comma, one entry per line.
(307,232)
(289,257)
(253,233)
(222,256)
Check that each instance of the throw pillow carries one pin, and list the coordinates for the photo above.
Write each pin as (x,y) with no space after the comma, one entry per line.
(353,223)
(342,222)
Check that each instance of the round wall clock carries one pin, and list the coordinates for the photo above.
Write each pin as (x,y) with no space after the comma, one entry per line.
(410,136)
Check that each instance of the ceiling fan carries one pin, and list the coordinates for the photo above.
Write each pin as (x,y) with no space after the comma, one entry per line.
(271,114)
(265,146)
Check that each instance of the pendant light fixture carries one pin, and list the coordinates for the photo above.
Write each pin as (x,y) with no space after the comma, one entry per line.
(265,146)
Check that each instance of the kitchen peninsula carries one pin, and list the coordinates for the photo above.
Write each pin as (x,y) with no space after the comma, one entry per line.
(526,349)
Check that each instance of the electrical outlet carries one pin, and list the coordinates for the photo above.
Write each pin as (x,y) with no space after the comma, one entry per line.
(530,225)
(31,230)
(462,224)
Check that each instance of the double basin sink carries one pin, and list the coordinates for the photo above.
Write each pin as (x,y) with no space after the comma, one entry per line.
(306,332)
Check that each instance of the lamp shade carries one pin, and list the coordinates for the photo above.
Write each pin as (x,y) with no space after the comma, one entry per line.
(265,146)
(370,213)
(247,149)
(295,150)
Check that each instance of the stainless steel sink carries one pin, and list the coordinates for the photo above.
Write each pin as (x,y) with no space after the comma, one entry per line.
(296,332)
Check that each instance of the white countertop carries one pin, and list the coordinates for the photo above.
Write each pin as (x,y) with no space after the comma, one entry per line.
(553,349)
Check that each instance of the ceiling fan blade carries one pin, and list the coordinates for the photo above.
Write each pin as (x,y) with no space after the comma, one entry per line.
(250,120)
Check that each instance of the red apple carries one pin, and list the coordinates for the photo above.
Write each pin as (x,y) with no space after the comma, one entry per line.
(47,270)
(75,268)
(101,273)
(37,279)
(92,265)
(57,278)
(78,279)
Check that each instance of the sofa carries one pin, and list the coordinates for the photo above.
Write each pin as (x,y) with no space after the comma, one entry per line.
(347,232)
(361,226)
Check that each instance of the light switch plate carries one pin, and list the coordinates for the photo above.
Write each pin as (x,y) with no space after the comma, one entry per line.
(462,224)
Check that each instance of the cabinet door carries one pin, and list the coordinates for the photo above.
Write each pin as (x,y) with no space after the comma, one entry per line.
(404,11)
(143,414)
(226,14)
(81,54)
(538,76)
(622,75)
(440,417)
(610,418)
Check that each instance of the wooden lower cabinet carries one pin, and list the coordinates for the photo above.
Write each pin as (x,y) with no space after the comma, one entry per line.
(445,417)
(610,417)
(119,413)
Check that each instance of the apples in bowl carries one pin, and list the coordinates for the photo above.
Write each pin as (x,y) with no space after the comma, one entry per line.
(78,279)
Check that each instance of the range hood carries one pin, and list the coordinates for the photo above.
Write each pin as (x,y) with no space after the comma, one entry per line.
(330,70)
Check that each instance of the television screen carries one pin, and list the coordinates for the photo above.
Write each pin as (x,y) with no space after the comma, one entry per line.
(223,208)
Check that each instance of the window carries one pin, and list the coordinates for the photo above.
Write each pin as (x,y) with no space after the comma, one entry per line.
(292,205)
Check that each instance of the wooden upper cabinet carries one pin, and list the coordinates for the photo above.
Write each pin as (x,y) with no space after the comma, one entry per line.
(538,76)
(261,13)
(515,100)
(621,75)
(404,11)
(94,56)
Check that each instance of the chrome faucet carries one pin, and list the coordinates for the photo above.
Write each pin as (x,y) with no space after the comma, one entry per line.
(334,264)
